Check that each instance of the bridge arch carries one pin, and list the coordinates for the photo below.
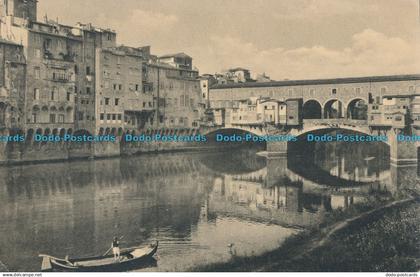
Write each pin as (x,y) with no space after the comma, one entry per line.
(312,109)
(333,109)
(81,132)
(254,130)
(330,128)
(357,109)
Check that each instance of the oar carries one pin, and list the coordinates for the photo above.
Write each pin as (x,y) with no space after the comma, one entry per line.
(111,247)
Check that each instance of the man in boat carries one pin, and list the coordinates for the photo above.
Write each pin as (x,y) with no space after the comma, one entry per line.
(116,248)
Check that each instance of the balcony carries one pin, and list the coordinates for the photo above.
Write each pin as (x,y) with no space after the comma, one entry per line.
(62,78)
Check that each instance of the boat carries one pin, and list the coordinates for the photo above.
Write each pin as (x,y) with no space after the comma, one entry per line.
(130,258)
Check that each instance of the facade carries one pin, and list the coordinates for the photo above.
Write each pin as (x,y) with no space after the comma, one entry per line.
(122,104)
(60,90)
(393,111)
(177,94)
(265,111)
(12,85)
(77,78)
(52,54)
(93,39)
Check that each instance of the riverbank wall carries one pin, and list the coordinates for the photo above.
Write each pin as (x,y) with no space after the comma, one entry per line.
(34,152)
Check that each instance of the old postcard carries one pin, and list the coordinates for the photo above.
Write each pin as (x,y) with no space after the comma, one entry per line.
(209,136)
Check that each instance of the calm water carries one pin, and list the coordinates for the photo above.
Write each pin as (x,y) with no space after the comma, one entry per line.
(195,204)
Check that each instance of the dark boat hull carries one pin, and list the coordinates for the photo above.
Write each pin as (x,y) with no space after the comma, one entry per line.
(75,265)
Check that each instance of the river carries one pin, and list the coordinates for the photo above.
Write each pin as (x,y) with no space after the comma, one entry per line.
(201,207)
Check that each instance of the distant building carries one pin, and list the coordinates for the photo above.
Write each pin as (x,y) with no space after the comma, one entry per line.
(206,81)
(257,111)
(239,75)
(261,78)
(179,60)
(392,112)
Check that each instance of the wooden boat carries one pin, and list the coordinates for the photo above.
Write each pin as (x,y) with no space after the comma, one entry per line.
(130,258)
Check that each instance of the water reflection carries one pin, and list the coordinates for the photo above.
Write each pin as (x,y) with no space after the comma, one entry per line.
(196,205)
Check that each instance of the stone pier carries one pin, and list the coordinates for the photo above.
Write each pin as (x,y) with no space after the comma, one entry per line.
(402,152)
(277,148)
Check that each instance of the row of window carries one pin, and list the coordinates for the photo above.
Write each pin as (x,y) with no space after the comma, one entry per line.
(107,101)
(53,95)
(170,86)
(180,120)
(185,101)
(59,75)
(335,90)
(375,107)
(81,116)
(54,118)
(113,117)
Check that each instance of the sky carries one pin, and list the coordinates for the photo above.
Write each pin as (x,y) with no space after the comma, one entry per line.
(286,39)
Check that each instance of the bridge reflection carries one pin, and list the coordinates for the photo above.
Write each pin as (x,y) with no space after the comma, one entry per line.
(285,185)
(74,208)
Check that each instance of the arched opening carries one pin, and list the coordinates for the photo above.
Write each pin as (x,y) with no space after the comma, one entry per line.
(82,132)
(114,131)
(333,109)
(312,110)
(30,135)
(84,143)
(120,132)
(357,109)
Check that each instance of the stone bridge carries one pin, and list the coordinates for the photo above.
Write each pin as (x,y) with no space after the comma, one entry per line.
(402,153)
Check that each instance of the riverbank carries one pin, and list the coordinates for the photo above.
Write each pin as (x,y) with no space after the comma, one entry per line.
(373,236)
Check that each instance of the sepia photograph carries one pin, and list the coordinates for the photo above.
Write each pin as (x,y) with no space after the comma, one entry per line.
(209,136)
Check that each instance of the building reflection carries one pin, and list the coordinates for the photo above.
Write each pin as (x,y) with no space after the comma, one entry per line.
(75,208)
(299,191)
